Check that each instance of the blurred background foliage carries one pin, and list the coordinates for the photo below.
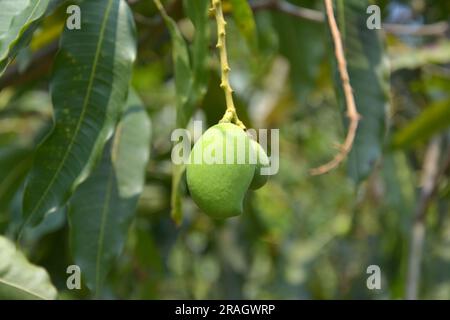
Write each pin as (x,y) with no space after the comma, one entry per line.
(302,236)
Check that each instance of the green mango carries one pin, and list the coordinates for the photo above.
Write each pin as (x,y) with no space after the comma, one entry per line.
(262,161)
(217,178)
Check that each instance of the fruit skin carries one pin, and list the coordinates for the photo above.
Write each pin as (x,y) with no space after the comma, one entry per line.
(219,189)
(259,180)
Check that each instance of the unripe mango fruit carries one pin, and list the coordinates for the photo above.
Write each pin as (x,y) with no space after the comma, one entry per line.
(262,161)
(220,172)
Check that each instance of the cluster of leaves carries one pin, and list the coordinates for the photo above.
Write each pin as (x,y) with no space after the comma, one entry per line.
(77,185)
(92,162)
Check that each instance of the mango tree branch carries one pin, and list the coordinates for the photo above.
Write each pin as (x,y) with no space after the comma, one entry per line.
(432,29)
(40,64)
(432,173)
(230,114)
(352,113)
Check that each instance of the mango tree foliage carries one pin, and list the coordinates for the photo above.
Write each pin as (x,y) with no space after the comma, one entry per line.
(89,89)
(101,210)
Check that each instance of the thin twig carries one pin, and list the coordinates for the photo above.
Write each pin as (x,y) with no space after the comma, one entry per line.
(432,175)
(352,112)
(40,63)
(429,182)
(438,28)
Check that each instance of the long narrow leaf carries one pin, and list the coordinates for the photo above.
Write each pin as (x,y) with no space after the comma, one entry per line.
(89,88)
(182,69)
(432,120)
(101,209)
(302,43)
(189,81)
(245,21)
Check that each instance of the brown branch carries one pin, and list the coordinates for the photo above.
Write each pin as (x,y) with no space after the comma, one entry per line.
(429,181)
(41,63)
(352,112)
(438,28)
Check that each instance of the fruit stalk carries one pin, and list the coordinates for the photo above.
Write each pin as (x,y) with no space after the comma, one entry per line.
(230,113)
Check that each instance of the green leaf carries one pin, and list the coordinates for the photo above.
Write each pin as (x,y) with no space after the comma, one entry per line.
(432,120)
(132,147)
(19,279)
(182,70)
(303,44)
(101,209)
(198,13)
(190,81)
(369,79)
(176,193)
(54,4)
(16,18)
(245,21)
(184,88)
(89,88)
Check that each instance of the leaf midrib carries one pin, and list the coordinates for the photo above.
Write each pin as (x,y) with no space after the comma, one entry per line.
(83,110)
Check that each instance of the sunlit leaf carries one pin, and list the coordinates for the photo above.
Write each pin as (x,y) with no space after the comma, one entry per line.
(16,18)
(19,279)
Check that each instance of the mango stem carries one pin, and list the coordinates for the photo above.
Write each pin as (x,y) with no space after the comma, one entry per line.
(230,113)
